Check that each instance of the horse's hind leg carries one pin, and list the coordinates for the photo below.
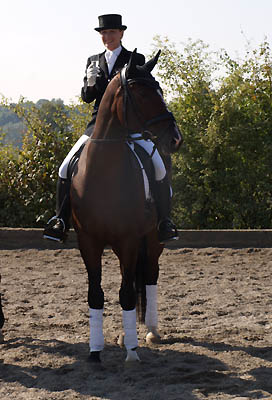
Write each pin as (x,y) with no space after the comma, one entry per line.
(91,254)
(151,316)
(127,296)
(153,252)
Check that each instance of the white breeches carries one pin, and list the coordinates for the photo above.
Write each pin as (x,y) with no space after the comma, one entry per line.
(64,166)
(148,145)
(159,167)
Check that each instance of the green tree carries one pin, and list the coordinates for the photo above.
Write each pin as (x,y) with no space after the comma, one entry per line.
(240,144)
(222,176)
(28,179)
(12,127)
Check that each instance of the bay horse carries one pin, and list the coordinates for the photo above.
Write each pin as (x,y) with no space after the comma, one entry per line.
(109,206)
(2,318)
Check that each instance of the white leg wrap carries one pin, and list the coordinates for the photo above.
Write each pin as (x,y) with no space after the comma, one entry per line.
(151,316)
(132,356)
(129,324)
(96,330)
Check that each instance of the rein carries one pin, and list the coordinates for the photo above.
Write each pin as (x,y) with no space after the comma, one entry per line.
(128,98)
(145,133)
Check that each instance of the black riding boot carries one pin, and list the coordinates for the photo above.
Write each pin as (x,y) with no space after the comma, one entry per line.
(166,229)
(58,226)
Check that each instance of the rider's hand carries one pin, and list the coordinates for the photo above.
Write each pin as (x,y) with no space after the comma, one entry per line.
(101,82)
(92,72)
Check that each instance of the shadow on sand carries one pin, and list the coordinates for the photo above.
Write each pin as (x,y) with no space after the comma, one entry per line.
(58,366)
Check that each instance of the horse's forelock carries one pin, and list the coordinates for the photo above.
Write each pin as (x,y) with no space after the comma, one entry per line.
(141,71)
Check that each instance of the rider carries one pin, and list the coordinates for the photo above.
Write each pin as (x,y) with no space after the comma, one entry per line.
(100,70)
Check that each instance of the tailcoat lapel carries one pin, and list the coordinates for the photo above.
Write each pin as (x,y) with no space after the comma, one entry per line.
(121,60)
(103,64)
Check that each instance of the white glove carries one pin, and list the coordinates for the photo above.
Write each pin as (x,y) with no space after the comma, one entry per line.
(92,72)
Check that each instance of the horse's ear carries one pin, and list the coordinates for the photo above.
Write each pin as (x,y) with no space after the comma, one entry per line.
(131,67)
(149,65)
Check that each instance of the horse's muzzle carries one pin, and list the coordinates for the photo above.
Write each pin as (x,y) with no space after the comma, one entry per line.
(171,140)
(176,140)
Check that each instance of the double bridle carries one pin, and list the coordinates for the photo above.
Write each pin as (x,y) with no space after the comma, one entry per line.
(128,98)
(144,133)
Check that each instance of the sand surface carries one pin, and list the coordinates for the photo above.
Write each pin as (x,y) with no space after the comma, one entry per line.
(215,319)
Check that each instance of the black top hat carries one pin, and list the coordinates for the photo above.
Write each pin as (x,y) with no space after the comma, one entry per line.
(110,21)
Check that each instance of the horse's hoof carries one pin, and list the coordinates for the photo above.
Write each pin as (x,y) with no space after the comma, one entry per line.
(153,338)
(94,357)
(132,356)
(121,340)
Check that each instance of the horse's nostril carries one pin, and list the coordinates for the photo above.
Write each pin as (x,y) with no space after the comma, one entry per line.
(179,138)
(176,141)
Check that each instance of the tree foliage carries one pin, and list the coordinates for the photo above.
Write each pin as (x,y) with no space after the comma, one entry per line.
(11,126)
(28,176)
(222,175)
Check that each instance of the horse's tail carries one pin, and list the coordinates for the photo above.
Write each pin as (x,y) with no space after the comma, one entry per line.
(141,267)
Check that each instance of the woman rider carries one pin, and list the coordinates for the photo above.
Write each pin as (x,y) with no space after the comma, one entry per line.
(100,69)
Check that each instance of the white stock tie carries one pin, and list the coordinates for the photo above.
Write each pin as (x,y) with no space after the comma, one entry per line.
(110,58)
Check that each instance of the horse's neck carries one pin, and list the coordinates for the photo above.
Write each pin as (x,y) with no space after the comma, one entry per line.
(101,153)
(107,124)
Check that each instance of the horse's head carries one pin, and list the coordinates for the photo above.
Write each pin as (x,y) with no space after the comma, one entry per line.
(141,107)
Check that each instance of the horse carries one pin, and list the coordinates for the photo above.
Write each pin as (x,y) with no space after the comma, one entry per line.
(109,206)
(2,318)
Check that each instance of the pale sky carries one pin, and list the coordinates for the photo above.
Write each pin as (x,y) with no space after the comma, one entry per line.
(45,43)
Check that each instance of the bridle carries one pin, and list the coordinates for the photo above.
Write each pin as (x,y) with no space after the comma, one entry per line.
(144,132)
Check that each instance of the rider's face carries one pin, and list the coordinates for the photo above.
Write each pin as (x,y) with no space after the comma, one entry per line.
(111,38)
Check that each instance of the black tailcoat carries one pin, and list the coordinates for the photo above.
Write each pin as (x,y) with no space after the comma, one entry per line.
(91,93)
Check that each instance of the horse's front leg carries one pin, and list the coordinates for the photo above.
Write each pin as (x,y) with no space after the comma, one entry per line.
(92,254)
(127,297)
